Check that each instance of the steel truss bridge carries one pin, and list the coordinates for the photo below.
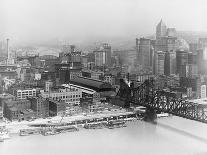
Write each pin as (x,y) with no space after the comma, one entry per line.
(159,100)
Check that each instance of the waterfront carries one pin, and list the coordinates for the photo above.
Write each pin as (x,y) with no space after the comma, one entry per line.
(171,135)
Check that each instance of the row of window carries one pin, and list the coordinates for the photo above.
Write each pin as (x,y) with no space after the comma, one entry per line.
(69,96)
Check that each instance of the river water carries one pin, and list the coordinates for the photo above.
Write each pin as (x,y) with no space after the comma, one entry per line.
(171,136)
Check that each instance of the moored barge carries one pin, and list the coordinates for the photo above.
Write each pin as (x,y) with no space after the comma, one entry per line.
(27,132)
(115,124)
(98,125)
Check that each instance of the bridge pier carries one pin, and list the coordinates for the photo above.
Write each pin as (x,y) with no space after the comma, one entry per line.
(150,115)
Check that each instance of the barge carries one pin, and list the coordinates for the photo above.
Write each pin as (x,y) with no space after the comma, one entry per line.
(66,129)
(98,125)
(27,132)
(115,124)
(47,132)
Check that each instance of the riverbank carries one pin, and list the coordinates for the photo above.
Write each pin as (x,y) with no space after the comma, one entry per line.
(15,126)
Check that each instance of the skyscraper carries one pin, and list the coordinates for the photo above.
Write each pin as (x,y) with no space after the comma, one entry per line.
(145,52)
(170,63)
(100,58)
(166,43)
(103,56)
(161,30)
(69,66)
(159,63)
(107,50)
(171,32)
(181,61)
(202,60)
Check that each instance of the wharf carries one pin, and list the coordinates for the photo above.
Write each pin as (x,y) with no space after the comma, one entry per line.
(81,120)
(78,120)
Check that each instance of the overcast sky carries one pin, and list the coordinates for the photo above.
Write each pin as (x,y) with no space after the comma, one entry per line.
(38,20)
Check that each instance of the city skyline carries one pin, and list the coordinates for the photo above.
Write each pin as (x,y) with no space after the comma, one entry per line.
(37,21)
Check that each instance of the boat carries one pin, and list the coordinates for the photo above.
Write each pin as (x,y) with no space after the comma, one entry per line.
(1,139)
(115,124)
(4,134)
(27,132)
(162,115)
(66,129)
(94,126)
(47,132)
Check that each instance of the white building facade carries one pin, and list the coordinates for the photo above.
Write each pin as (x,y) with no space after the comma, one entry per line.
(203,91)
(24,93)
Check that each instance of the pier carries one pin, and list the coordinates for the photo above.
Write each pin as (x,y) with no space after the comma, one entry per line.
(95,118)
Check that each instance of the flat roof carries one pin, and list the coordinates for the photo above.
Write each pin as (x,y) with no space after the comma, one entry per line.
(90,83)
(5,96)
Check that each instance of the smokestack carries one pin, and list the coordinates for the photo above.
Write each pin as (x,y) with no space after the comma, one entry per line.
(7,47)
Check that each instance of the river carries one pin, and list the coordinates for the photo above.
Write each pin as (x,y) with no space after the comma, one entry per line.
(171,136)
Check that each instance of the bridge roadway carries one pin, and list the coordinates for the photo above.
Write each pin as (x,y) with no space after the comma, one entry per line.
(159,100)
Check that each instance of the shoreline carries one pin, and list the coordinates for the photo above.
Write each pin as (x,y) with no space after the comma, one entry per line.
(15,126)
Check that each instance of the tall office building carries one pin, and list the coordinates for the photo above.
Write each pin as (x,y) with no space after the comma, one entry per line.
(171,32)
(69,66)
(170,63)
(100,58)
(202,60)
(166,43)
(103,56)
(159,63)
(202,42)
(161,30)
(193,47)
(107,50)
(181,61)
(145,52)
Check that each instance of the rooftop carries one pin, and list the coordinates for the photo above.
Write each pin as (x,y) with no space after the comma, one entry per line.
(96,85)
(6,96)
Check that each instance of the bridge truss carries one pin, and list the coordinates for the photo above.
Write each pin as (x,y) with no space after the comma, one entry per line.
(146,95)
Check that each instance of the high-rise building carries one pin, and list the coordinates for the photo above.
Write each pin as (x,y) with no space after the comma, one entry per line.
(193,47)
(203,91)
(191,70)
(202,42)
(159,63)
(171,32)
(107,49)
(100,58)
(202,60)
(192,58)
(69,67)
(161,30)
(145,52)
(166,43)
(170,63)
(103,56)
(181,62)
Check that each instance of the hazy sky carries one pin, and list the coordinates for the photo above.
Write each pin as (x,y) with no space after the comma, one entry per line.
(38,20)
